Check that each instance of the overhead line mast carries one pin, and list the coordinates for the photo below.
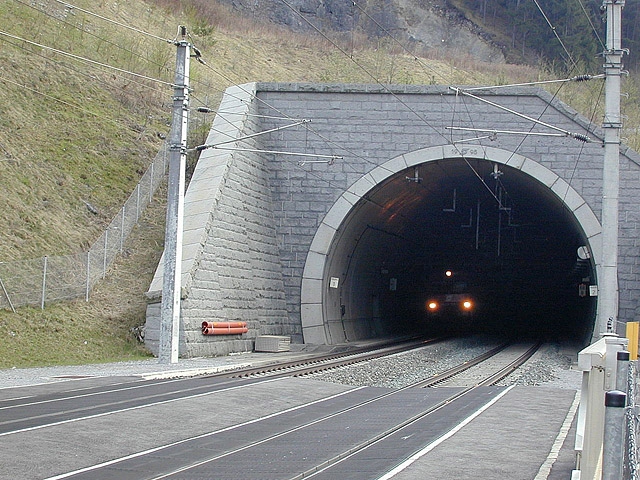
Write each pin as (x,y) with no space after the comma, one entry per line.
(608,282)
(168,348)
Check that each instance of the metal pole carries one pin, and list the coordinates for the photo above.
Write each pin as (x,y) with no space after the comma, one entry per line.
(104,253)
(612,451)
(622,371)
(170,307)
(608,283)
(88,286)
(44,281)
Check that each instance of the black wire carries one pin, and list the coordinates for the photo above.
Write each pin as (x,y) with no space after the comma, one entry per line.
(89,32)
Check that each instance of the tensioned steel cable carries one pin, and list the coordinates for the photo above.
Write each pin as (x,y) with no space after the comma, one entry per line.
(84,59)
(123,25)
(555,32)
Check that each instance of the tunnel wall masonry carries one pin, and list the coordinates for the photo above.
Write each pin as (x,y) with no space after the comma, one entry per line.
(261,224)
(231,267)
(379,130)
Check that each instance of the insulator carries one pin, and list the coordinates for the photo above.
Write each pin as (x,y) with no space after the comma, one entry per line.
(582,78)
(581,137)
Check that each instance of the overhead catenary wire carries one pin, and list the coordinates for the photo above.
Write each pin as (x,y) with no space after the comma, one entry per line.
(398,42)
(385,87)
(89,32)
(58,100)
(66,66)
(123,25)
(283,114)
(577,78)
(577,136)
(555,32)
(71,6)
(105,40)
(84,59)
(361,67)
(300,164)
(593,28)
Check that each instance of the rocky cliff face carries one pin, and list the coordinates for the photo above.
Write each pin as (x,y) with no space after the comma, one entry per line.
(424,26)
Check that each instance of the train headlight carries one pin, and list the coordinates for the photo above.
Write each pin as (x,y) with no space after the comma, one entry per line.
(467,305)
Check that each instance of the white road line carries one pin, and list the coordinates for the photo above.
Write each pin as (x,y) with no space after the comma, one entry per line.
(446,436)
(204,435)
(82,395)
(104,414)
(545,468)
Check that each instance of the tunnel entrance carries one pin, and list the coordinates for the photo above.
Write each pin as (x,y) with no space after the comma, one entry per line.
(432,236)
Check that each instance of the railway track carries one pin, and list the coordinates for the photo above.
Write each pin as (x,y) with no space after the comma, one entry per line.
(486,369)
(285,439)
(331,361)
(42,410)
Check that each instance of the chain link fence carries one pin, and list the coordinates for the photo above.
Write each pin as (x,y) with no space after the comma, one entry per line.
(631,468)
(46,280)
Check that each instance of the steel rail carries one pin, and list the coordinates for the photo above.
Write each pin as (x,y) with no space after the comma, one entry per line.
(306,366)
(377,437)
(41,411)
(452,372)
(488,381)
(326,463)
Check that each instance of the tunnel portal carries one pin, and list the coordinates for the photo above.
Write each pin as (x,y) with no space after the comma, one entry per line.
(451,230)
(325,251)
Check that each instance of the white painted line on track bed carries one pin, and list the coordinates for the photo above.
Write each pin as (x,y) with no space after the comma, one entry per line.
(416,456)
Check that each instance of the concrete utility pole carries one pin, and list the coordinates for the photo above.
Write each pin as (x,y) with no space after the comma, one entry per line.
(608,282)
(171,284)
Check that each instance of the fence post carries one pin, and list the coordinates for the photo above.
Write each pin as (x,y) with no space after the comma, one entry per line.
(88,286)
(612,452)
(44,282)
(152,180)
(122,229)
(164,159)
(137,202)
(104,258)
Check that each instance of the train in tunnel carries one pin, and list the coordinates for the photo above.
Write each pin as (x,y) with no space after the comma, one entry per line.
(450,298)
(496,298)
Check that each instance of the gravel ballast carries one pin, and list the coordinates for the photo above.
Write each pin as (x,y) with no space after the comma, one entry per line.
(553,365)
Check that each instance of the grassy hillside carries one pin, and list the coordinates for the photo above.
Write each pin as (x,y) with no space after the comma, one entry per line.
(74,133)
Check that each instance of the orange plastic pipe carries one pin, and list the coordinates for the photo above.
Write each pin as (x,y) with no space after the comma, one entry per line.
(224,331)
(224,324)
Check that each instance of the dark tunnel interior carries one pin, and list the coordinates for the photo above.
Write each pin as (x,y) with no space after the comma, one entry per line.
(510,245)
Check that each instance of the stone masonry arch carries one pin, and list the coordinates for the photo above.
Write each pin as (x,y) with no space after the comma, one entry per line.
(315,279)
